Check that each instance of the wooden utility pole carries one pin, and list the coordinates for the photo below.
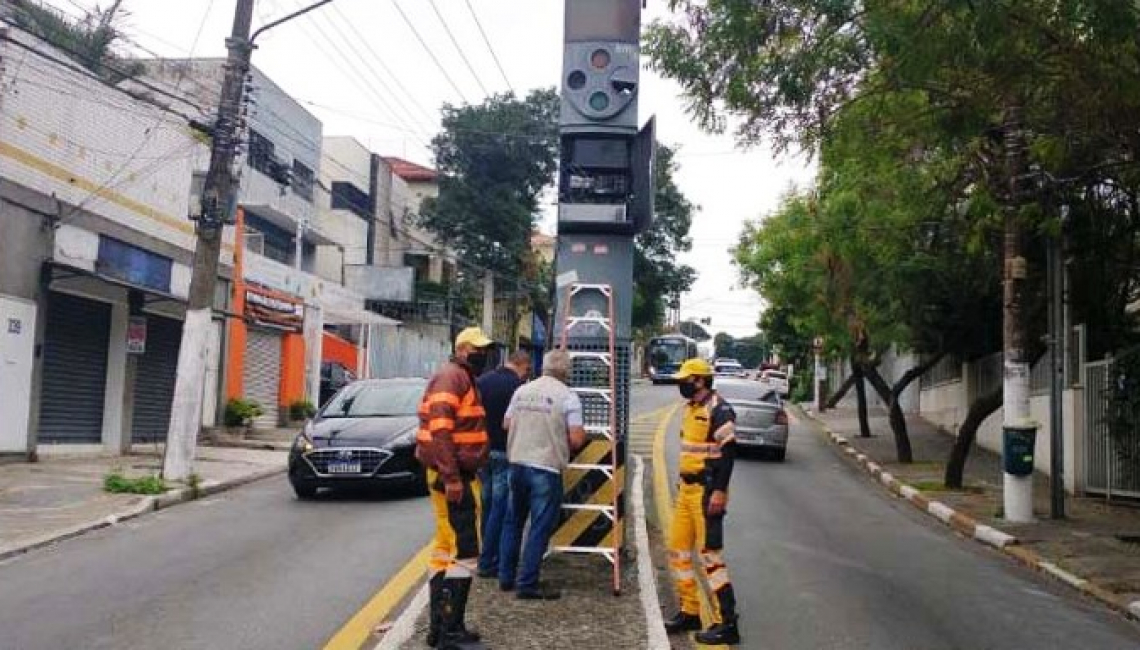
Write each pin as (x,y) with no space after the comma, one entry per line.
(217,208)
(1018,490)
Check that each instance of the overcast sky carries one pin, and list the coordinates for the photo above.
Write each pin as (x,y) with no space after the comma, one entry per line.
(359,67)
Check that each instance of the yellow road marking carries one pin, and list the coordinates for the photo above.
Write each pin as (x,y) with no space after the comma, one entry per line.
(664,499)
(358,630)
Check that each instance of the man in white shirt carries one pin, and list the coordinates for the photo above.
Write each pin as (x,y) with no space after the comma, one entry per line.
(544,424)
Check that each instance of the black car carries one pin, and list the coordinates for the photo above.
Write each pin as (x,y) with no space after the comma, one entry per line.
(365,435)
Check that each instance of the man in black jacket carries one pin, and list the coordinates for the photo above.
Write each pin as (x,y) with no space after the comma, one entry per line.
(496,389)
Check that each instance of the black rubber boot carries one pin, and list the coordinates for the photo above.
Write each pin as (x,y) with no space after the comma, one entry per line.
(682,622)
(435,610)
(464,594)
(453,598)
(725,633)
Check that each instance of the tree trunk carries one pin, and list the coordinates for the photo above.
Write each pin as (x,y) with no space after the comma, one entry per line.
(841,392)
(981,409)
(861,395)
(898,420)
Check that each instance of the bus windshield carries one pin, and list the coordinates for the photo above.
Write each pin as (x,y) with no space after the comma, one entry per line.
(668,351)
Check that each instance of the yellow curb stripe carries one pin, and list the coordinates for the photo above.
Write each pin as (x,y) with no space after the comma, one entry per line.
(664,499)
(358,630)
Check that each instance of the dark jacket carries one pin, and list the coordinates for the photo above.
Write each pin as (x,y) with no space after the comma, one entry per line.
(496,389)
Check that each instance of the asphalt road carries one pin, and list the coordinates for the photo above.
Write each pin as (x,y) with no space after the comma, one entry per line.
(251,568)
(822,558)
(248,569)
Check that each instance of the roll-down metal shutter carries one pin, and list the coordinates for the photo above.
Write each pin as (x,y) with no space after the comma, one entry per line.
(154,379)
(262,373)
(74,369)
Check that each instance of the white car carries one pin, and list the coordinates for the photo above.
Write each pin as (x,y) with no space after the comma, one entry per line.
(728,368)
(775,381)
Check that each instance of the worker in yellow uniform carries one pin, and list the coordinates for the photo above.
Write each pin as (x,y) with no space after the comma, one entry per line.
(452,445)
(708,451)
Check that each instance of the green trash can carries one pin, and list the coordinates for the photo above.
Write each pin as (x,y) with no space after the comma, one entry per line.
(1018,443)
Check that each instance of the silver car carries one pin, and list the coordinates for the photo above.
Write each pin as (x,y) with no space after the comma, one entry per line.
(761,421)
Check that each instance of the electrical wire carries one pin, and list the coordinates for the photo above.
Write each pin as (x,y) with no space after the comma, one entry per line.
(429,51)
(487,42)
(458,47)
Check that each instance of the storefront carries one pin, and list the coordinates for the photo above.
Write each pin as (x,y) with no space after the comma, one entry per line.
(75,355)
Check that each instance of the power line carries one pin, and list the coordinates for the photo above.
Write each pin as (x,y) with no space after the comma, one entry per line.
(487,42)
(458,48)
(429,51)
(380,61)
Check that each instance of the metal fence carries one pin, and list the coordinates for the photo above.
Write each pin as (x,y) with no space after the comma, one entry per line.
(1109,463)
(985,375)
(399,352)
(946,371)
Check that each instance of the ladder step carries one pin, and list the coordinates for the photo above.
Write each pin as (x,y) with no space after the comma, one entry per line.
(582,354)
(605,392)
(587,506)
(591,466)
(598,429)
(578,287)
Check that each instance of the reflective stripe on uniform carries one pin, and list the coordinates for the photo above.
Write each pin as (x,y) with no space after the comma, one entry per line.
(469,437)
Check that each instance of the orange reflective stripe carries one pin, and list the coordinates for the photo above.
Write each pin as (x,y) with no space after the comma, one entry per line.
(441,397)
(472,412)
(440,423)
(469,437)
(423,435)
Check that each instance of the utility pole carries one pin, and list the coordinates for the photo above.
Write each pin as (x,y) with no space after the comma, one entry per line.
(1019,430)
(217,203)
(1057,340)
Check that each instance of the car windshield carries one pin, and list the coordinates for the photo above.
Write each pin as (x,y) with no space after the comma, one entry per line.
(776,375)
(746,391)
(665,352)
(376,401)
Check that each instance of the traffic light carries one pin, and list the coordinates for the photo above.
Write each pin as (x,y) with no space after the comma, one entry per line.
(606,175)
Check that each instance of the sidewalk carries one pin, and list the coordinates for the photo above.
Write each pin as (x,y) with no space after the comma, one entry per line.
(62,497)
(1098,543)
(279,439)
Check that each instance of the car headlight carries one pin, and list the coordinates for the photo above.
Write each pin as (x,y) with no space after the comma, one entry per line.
(406,439)
(303,443)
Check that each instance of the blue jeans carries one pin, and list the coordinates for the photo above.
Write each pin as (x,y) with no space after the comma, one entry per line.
(535,494)
(495,477)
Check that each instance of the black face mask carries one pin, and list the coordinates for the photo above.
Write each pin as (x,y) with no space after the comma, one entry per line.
(477,360)
(688,389)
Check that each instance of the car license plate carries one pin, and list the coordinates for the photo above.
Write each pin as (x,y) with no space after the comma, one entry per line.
(344,468)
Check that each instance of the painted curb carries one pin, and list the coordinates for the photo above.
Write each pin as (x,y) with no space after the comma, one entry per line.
(144,506)
(1008,544)
(646,575)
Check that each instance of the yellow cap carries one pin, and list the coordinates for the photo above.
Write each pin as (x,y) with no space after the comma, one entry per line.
(694,368)
(474,337)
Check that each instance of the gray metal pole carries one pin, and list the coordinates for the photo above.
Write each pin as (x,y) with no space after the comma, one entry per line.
(1057,378)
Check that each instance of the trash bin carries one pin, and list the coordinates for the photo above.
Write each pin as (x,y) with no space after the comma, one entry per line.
(1017,449)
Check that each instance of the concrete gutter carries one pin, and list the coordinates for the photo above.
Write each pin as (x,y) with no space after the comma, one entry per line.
(146,505)
(967,526)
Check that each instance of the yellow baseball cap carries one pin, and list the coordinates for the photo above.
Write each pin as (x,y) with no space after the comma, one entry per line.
(474,337)
(694,368)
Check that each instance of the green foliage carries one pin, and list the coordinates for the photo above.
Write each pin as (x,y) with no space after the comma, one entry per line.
(694,331)
(750,351)
(89,42)
(115,483)
(494,160)
(659,276)
(240,412)
(302,409)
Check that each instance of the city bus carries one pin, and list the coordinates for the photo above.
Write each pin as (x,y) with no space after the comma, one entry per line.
(665,354)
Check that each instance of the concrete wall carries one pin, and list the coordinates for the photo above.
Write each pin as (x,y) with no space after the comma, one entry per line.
(945,405)
(71,136)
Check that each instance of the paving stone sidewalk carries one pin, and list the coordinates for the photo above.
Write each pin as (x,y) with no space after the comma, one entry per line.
(1099,542)
(60,497)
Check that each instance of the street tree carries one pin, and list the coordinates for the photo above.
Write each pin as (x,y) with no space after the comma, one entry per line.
(658,273)
(494,160)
